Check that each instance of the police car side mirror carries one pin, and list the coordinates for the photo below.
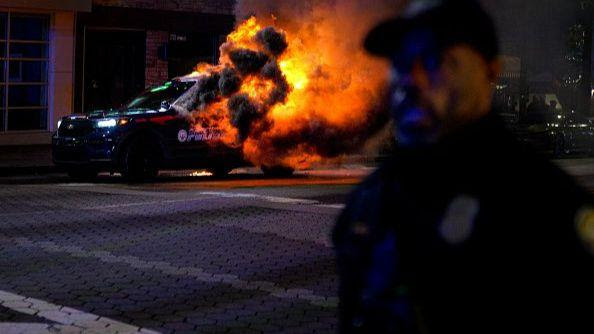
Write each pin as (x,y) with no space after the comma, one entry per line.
(165,106)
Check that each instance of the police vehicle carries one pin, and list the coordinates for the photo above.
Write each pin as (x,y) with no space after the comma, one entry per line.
(146,135)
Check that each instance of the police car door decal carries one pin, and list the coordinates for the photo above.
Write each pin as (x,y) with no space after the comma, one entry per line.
(182,136)
(202,135)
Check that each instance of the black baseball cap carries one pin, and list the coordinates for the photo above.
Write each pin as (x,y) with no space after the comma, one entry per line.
(450,21)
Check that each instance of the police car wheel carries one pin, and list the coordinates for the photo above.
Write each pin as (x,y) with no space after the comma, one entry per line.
(139,162)
(277,171)
(82,173)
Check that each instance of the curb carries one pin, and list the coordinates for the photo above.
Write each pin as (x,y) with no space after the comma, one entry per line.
(29,170)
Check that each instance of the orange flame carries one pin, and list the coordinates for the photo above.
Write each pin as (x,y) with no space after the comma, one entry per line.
(327,88)
(216,116)
(257,88)
(243,36)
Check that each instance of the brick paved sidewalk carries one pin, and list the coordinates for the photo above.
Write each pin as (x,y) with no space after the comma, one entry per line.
(22,160)
(86,259)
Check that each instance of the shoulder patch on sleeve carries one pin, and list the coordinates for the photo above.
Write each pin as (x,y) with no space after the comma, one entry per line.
(584,223)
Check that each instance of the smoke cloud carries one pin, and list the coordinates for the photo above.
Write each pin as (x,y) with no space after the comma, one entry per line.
(296,87)
(243,114)
(338,27)
(248,61)
(230,82)
(274,41)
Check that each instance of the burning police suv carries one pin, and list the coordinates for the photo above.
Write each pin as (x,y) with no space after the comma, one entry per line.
(144,136)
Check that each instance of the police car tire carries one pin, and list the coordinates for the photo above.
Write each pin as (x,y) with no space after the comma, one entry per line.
(136,162)
(221,171)
(277,171)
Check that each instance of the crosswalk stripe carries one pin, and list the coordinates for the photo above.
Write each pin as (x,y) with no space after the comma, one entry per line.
(72,320)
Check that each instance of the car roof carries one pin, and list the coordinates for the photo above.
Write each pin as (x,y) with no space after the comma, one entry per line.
(192,77)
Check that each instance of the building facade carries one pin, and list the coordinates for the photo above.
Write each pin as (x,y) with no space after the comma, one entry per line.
(36,67)
(125,46)
(59,57)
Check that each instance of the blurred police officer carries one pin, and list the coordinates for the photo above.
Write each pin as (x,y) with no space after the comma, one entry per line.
(463,231)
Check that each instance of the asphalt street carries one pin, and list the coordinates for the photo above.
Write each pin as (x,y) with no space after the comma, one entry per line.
(188,253)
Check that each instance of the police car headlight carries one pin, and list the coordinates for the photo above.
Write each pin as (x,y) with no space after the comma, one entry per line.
(59,123)
(107,123)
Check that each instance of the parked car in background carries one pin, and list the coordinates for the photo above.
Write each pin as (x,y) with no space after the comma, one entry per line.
(557,135)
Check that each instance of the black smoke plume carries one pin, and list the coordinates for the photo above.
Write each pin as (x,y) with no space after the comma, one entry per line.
(273,41)
(243,113)
(248,61)
(272,72)
(209,89)
(230,82)
(315,22)
(328,141)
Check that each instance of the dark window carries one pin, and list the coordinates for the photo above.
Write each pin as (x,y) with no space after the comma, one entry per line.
(28,50)
(29,27)
(3,45)
(20,96)
(23,71)
(3,25)
(114,67)
(28,71)
(27,119)
(2,103)
(2,96)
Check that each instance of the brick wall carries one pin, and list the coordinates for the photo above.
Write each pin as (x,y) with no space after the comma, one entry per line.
(200,6)
(156,69)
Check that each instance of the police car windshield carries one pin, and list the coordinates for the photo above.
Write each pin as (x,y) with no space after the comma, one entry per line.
(153,98)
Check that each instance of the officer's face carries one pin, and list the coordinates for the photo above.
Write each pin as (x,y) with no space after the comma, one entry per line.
(436,91)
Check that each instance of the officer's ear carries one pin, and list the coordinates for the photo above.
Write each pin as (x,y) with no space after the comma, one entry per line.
(494,68)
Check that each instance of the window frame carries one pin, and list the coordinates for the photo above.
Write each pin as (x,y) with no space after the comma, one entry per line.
(5,83)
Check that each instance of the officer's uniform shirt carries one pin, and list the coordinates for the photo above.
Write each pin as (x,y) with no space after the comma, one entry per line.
(474,235)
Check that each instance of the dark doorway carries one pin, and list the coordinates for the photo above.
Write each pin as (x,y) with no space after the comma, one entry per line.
(114,67)
(185,51)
